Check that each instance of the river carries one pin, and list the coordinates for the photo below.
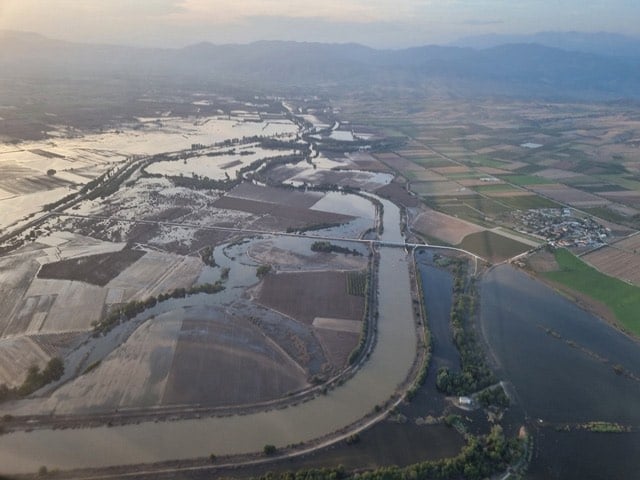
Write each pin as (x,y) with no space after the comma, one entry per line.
(375,382)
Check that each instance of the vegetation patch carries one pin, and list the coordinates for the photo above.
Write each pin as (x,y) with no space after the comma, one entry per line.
(623,299)
(357,283)
(36,379)
(475,373)
(482,457)
(328,247)
(605,427)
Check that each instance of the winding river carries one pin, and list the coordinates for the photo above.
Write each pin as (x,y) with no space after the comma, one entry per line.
(376,382)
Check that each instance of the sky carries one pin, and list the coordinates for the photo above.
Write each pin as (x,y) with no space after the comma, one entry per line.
(377,23)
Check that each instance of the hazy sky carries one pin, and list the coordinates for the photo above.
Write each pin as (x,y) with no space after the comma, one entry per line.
(386,23)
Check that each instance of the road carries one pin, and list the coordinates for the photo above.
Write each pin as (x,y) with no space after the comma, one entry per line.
(249,231)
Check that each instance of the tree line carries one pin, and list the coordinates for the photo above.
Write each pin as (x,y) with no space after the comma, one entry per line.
(475,373)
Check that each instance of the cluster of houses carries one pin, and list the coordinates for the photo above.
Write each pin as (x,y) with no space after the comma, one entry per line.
(561,228)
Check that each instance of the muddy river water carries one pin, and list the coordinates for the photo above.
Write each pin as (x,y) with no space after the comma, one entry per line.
(377,380)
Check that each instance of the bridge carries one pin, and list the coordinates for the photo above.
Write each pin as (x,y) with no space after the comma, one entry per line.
(250,231)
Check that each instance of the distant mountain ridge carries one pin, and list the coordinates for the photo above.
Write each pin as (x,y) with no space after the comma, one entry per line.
(599,43)
(514,69)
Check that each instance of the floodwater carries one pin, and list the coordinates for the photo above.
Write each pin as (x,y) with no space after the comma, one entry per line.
(216,168)
(558,361)
(437,290)
(376,381)
(95,153)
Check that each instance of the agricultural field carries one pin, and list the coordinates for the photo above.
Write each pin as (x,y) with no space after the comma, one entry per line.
(279,216)
(249,368)
(303,296)
(397,193)
(623,299)
(444,227)
(620,259)
(569,195)
(94,269)
(435,189)
(493,246)
(366,162)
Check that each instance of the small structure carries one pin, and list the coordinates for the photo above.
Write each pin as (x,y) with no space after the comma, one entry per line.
(465,401)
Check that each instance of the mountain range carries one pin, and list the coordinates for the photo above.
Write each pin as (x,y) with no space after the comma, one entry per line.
(547,65)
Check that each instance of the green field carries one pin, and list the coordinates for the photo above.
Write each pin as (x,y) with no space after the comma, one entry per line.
(495,187)
(525,179)
(435,188)
(623,299)
(492,246)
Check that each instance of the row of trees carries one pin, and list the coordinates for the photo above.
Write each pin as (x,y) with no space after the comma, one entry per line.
(131,309)
(426,344)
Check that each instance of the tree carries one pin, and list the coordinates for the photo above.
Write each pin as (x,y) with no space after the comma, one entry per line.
(262,270)
(269,449)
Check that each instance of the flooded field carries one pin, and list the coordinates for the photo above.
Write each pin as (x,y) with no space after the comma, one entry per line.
(566,368)
(387,366)
(216,167)
(33,174)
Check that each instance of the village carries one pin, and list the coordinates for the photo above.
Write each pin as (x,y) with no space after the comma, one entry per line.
(561,227)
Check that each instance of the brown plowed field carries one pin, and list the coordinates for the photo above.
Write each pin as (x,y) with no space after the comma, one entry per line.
(622,264)
(444,227)
(366,161)
(630,244)
(94,269)
(305,296)
(249,191)
(398,194)
(572,196)
(289,214)
(399,163)
(337,345)
(221,362)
